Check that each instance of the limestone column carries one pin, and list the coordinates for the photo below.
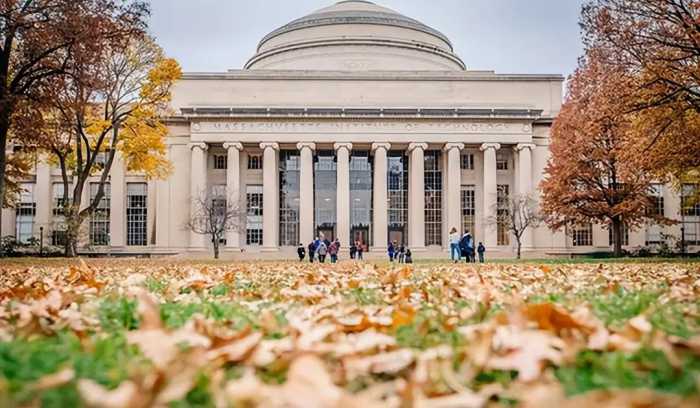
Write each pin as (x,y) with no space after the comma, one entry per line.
(380,214)
(271,213)
(198,185)
(343,188)
(117,213)
(525,186)
(416,196)
(233,190)
(454,186)
(490,186)
(306,192)
(43,198)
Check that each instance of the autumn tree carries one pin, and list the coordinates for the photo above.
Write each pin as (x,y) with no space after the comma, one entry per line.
(40,40)
(656,44)
(594,173)
(108,108)
(214,215)
(518,214)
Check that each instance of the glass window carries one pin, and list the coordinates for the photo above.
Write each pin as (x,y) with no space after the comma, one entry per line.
(657,200)
(220,161)
(99,221)
(254,162)
(502,207)
(136,214)
(433,197)
(582,235)
(691,213)
(26,211)
(325,183)
(289,197)
(468,200)
(360,198)
(254,209)
(501,161)
(58,203)
(467,161)
(397,189)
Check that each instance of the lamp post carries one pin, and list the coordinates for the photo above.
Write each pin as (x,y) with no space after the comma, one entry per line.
(41,241)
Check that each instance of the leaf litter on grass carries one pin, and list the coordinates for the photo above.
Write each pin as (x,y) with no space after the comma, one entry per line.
(139,334)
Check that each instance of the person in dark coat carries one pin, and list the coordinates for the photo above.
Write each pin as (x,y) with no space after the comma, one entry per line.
(481,249)
(360,250)
(301,251)
(312,251)
(466,246)
(408,258)
(390,251)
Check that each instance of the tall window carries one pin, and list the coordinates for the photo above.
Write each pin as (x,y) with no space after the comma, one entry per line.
(433,198)
(360,198)
(136,214)
(468,199)
(397,189)
(690,205)
(467,161)
(220,161)
(99,221)
(325,196)
(289,197)
(26,211)
(254,210)
(582,235)
(653,231)
(501,161)
(625,236)
(502,209)
(254,162)
(58,229)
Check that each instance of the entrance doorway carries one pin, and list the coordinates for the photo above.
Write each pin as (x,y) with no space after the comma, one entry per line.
(361,235)
(397,235)
(326,233)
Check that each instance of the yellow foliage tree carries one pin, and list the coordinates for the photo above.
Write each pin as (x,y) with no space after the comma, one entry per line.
(108,107)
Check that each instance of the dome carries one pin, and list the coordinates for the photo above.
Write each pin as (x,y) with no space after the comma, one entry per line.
(356,35)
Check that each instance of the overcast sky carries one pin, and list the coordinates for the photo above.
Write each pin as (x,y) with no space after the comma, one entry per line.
(508,36)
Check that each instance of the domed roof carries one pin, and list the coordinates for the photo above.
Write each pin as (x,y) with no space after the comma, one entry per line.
(355,35)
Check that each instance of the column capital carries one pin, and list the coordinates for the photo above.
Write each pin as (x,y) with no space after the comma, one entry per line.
(199,145)
(270,145)
(487,146)
(339,146)
(383,145)
(522,146)
(233,145)
(415,145)
(302,145)
(450,146)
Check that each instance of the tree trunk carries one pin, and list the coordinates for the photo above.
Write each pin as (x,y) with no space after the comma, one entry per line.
(617,236)
(73,223)
(4,130)
(216,248)
(517,240)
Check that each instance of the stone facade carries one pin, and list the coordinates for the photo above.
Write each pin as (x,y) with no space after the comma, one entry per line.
(354,122)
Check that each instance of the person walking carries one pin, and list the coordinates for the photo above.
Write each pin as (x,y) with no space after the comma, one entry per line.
(333,251)
(455,252)
(353,250)
(402,253)
(312,251)
(481,249)
(464,243)
(408,258)
(391,251)
(360,250)
(301,251)
(322,251)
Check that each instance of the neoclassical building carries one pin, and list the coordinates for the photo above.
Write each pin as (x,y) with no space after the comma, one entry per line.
(353,122)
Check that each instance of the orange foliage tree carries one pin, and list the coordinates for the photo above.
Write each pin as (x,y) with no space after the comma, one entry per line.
(594,175)
(657,42)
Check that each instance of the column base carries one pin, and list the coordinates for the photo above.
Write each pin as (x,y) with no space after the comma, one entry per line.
(269,249)
(418,249)
(197,249)
(378,250)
